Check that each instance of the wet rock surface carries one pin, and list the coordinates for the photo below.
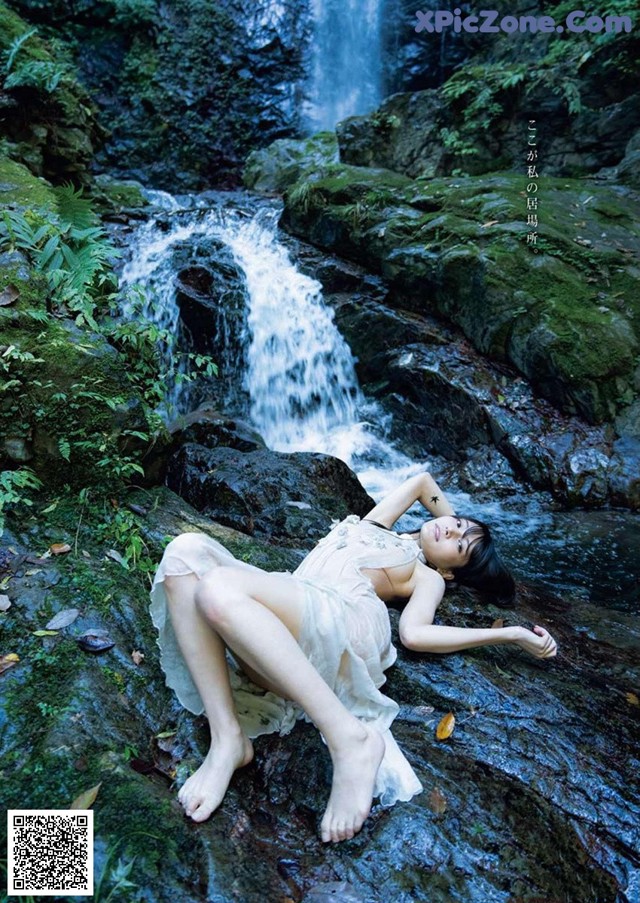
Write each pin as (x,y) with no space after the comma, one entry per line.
(262,492)
(534,796)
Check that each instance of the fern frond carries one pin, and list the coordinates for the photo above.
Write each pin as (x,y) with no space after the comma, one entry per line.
(15,46)
(75,210)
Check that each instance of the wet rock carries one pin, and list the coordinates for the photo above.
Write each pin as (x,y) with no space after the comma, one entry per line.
(627,169)
(211,299)
(624,473)
(204,426)
(403,134)
(291,496)
(537,778)
(17,450)
(451,248)
(274,168)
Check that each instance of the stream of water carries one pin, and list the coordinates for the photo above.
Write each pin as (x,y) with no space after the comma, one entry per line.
(346,53)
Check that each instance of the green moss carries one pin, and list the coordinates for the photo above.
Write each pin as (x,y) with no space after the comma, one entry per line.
(20,188)
(11,27)
(114,195)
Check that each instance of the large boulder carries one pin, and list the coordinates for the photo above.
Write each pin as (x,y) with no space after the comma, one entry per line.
(288,496)
(456,248)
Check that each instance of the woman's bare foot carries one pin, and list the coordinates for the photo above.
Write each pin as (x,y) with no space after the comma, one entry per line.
(355,766)
(203,792)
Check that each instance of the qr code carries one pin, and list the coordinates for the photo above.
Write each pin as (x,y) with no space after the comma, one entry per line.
(49,852)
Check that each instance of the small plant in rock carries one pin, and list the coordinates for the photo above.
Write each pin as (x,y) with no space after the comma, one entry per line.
(41,74)
(16,489)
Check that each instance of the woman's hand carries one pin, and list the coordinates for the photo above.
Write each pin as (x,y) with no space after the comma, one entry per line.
(537,642)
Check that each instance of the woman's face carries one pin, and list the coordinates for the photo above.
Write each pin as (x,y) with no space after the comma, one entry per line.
(444,543)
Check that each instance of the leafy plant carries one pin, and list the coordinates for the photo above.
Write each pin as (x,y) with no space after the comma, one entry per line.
(74,257)
(16,487)
(45,75)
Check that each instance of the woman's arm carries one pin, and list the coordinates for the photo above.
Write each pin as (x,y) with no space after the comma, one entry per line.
(420,634)
(421,488)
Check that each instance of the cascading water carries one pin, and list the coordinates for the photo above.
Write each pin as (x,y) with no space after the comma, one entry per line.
(346,70)
(300,377)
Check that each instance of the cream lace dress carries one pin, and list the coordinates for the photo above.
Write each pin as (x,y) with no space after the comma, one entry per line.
(345,634)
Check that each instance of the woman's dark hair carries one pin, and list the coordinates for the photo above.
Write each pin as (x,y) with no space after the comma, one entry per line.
(485,571)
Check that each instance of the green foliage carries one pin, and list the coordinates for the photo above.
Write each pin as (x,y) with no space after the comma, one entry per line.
(73,253)
(134,13)
(16,487)
(481,91)
(44,75)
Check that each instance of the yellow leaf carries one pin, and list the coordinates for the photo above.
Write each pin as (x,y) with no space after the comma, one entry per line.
(45,632)
(632,699)
(446,726)
(8,661)
(86,800)
(437,801)
(165,734)
(499,622)
(59,548)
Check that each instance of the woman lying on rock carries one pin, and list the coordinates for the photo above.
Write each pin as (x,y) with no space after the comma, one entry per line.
(317,643)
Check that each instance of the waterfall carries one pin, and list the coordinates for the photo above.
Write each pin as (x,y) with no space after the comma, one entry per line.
(300,376)
(346,61)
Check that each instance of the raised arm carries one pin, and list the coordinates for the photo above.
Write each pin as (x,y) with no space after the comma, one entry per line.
(421,488)
(420,634)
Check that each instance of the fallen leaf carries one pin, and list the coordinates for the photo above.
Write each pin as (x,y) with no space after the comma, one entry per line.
(96,640)
(63,619)
(492,222)
(498,623)
(86,800)
(446,726)
(334,892)
(165,734)
(5,603)
(138,509)
(8,661)
(59,548)
(116,556)
(437,801)
(138,657)
(45,633)
(32,572)
(9,295)
(632,699)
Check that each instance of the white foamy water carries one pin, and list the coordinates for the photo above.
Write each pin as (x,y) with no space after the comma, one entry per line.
(300,379)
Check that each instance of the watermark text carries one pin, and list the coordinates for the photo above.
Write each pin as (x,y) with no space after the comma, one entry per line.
(488,21)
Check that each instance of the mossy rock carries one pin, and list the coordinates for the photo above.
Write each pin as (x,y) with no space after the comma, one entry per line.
(69,405)
(48,121)
(275,168)
(19,188)
(118,195)
(566,313)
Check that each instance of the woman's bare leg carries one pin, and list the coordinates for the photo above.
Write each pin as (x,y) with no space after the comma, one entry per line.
(258,616)
(204,653)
